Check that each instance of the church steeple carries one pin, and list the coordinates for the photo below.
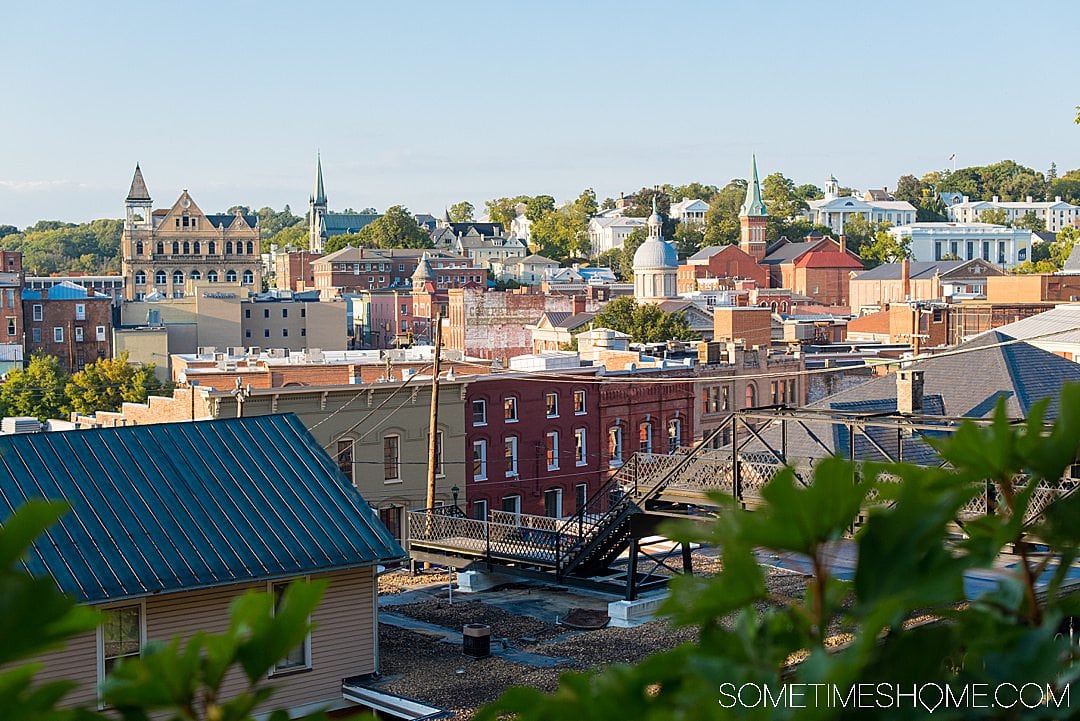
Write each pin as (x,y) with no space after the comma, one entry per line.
(138,207)
(320,192)
(138,189)
(316,210)
(753,217)
(753,205)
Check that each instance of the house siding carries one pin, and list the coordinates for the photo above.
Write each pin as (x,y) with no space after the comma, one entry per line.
(342,643)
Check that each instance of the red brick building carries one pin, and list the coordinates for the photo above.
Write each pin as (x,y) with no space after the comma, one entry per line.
(69,322)
(11,285)
(354,270)
(294,271)
(652,414)
(825,276)
(536,445)
(727,262)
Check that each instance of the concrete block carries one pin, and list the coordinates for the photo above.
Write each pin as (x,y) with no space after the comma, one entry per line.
(627,614)
(476,581)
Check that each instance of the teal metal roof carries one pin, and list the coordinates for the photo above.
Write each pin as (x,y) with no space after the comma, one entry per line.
(341,223)
(179,506)
(753,205)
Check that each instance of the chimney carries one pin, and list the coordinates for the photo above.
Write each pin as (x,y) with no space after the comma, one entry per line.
(1057,198)
(1029,199)
(905,277)
(578,304)
(995,199)
(909,392)
(843,243)
(966,199)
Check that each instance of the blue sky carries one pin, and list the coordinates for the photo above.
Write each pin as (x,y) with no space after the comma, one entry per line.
(424,104)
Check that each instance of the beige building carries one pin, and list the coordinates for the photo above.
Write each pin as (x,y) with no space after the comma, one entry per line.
(164,249)
(272,322)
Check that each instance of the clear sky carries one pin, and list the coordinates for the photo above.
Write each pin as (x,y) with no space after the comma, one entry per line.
(427,103)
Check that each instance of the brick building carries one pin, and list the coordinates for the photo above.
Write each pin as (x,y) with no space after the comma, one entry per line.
(1033,288)
(354,270)
(825,275)
(11,330)
(69,322)
(644,411)
(165,249)
(293,270)
(535,443)
(724,263)
(750,324)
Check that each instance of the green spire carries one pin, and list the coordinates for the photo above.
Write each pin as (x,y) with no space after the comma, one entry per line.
(320,193)
(753,205)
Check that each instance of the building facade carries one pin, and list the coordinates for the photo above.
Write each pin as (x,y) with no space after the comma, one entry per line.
(355,270)
(610,232)
(834,210)
(166,249)
(69,322)
(996,244)
(1055,214)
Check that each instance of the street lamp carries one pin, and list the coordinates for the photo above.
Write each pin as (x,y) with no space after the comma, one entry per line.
(454,492)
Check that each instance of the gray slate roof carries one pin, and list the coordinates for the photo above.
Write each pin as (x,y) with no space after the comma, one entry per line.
(1072,263)
(918,269)
(180,506)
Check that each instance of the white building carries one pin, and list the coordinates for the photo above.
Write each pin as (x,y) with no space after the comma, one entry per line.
(530,270)
(1056,214)
(656,266)
(521,226)
(606,233)
(833,210)
(691,210)
(995,244)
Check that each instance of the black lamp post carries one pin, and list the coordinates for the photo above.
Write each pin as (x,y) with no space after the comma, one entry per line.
(454,492)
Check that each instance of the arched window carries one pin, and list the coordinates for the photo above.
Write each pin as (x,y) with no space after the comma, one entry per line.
(187,248)
(140,278)
(784,307)
(674,434)
(249,277)
(250,248)
(615,445)
(230,276)
(195,275)
(159,278)
(645,437)
(161,248)
(751,395)
(228,248)
(176,248)
(211,247)
(139,248)
(178,277)
(198,248)
(211,276)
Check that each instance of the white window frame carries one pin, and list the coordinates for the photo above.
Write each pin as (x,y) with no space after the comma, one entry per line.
(584,407)
(514,402)
(141,604)
(275,672)
(556,405)
(517,504)
(482,445)
(39,312)
(80,311)
(616,458)
(100,330)
(483,410)
(58,334)
(511,442)
(581,492)
(482,503)
(559,505)
(581,449)
(552,442)
(78,334)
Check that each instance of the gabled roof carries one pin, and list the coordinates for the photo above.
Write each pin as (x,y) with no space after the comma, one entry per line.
(828,259)
(138,189)
(917,269)
(535,259)
(343,223)
(789,251)
(65,290)
(1072,263)
(484,229)
(220,220)
(180,506)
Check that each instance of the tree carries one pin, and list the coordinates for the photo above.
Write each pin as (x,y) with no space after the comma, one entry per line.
(809,191)
(1031,222)
(608,204)
(909,188)
(780,197)
(688,238)
(272,222)
(861,233)
(295,237)
(502,210)
(642,203)
(643,322)
(905,618)
(722,218)
(586,203)
(37,390)
(539,206)
(461,212)
(169,679)
(51,246)
(692,191)
(396,228)
(106,384)
(994,216)
(885,248)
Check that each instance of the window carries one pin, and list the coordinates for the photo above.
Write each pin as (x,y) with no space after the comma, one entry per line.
(211,276)
(198,248)
(553,451)
(479,510)
(195,275)
(674,434)
(175,248)
(580,454)
(250,248)
(710,399)
(211,248)
(510,455)
(266,312)
(510,409)
(645,437)
(178,277)
(266,332)
(511,504)
(230,276)
(122,636)
(35,335)
(249,278)
(228,248)
(391,518)
(58,334)
(187,248)
(37,312)
(391,451)
(284,332)
(140,278)
(404,309)
(790,395)
(479,412)
(479,460)
(299,657)
(303,312)
(553,503)
(551,401)
(11,325)
(615,445)
(100,334)
(581,496)
(139,248)
(80,311)
(78,334)
(345,458)
(579,402)
(438,453)
(751,395)
(160,278)
(725,399)
(161,248)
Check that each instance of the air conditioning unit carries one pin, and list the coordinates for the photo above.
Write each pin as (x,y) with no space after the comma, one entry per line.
(254,350)
(235,351)
(20,424)
(205,350)
(219,357)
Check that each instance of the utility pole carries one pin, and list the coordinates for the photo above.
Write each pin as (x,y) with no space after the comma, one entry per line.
(433,427)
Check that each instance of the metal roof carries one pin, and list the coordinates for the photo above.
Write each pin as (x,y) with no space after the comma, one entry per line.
(180,506)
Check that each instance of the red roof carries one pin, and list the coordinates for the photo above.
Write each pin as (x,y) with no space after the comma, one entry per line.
(827,259)
(872,323)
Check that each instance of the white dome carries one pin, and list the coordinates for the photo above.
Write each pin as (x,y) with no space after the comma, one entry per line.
(655,253)
(654,220)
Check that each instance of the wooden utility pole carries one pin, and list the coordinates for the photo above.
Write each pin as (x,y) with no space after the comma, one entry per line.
(433,427)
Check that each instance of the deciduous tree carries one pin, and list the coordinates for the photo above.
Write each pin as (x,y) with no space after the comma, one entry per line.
(106,384)
(461,212)
(37,390)
(643,322)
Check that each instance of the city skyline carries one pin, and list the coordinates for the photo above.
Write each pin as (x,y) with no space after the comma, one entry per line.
(491,100)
